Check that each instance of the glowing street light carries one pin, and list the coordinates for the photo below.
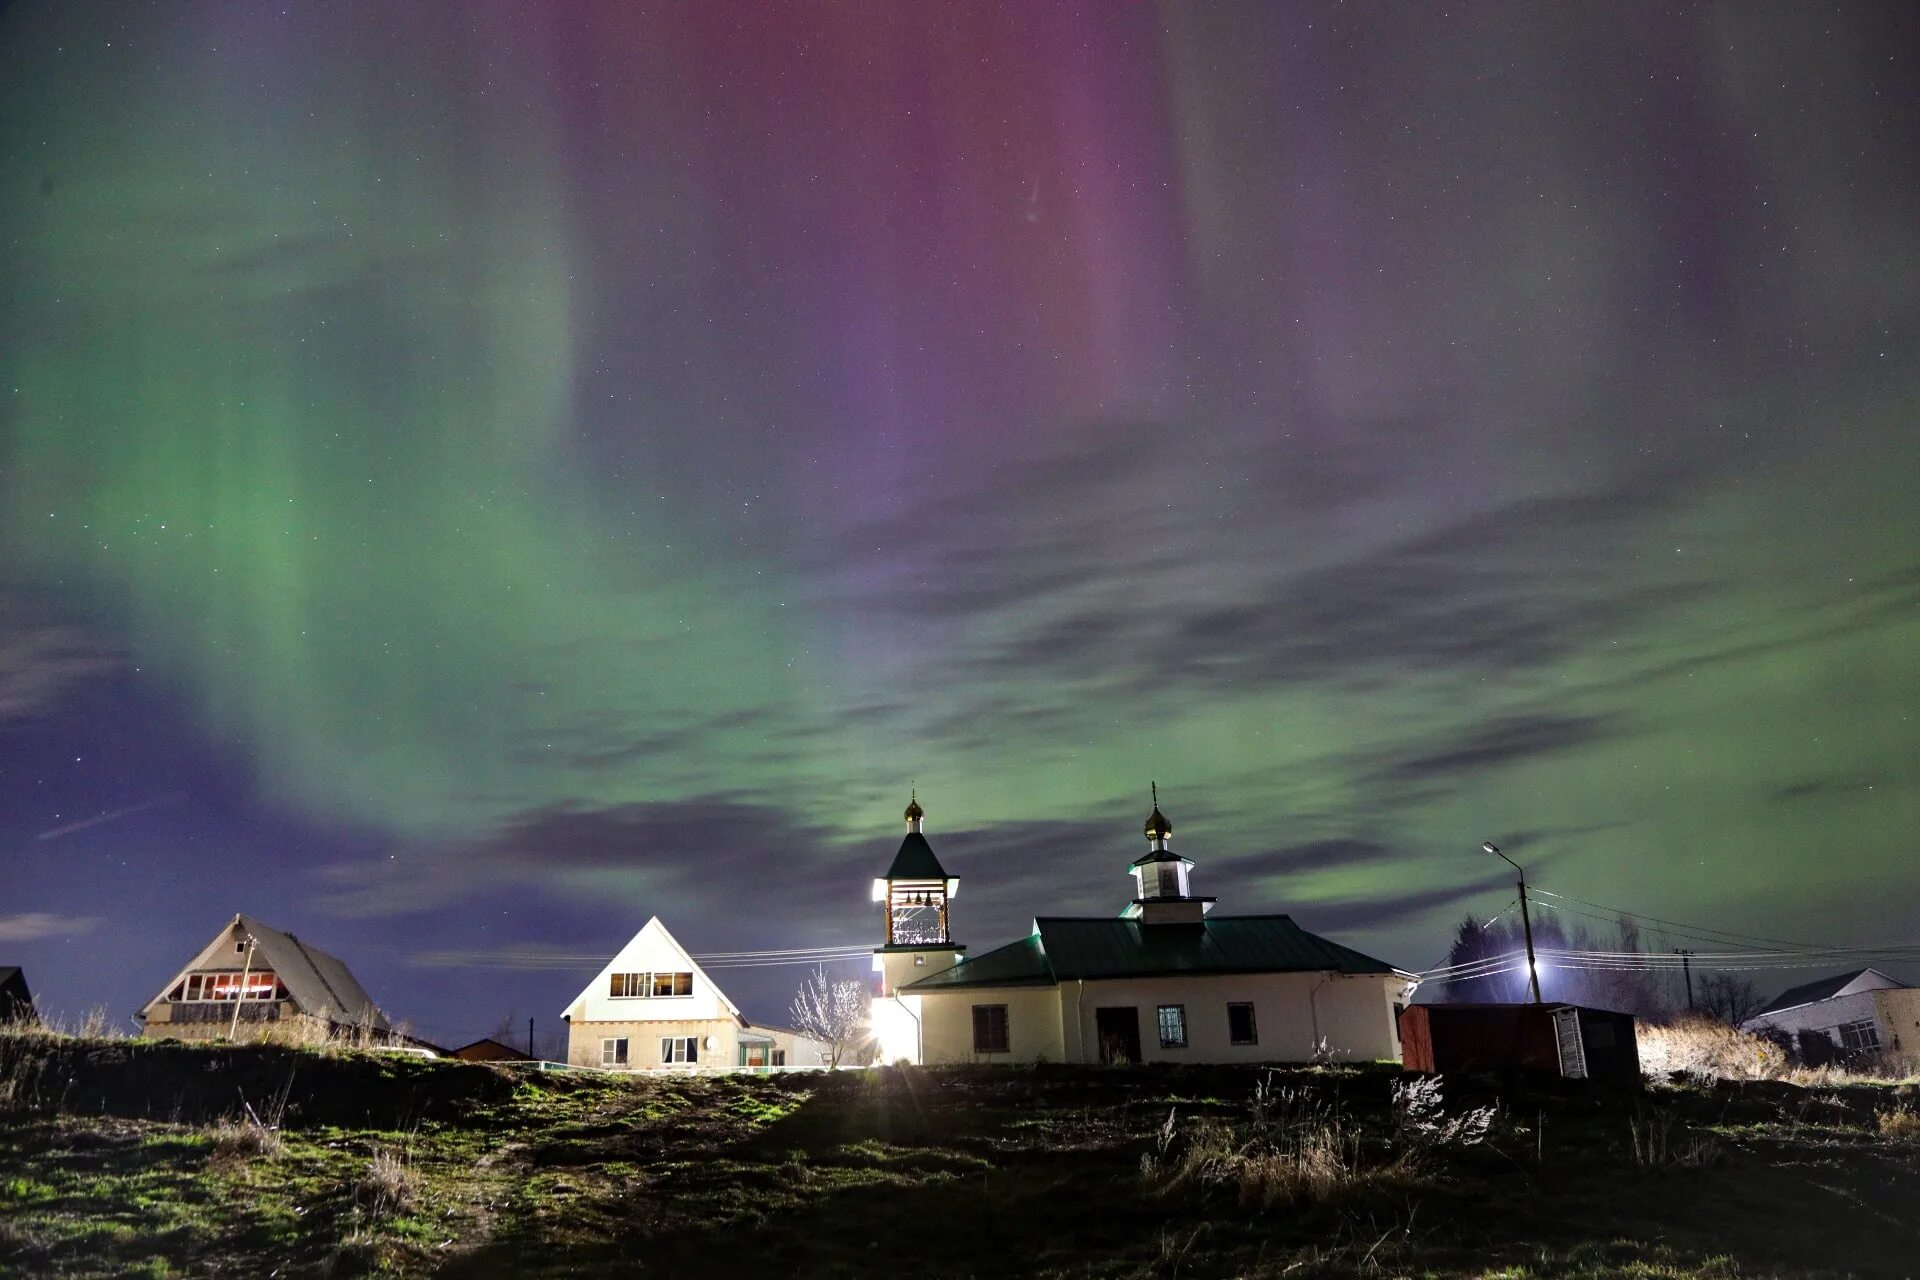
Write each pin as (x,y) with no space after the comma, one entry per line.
(1526,923)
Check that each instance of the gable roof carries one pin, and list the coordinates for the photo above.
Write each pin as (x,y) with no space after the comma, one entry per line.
(318,982)
(1065,949)
(1827,989)
(659,930)
(915,861)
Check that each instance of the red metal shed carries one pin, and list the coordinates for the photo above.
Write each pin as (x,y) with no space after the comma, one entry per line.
(1564,1039)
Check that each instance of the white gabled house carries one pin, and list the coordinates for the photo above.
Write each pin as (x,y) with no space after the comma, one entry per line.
(1162,981)
(653,1008)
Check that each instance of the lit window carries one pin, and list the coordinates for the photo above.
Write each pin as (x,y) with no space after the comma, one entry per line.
(990,1033)
(1240,1025)
(625,986)
(613,1053)
(680,1049)
(1173,1026)
(259,984)
(1862,1035)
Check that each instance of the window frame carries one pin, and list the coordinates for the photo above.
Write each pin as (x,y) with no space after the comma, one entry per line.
(615,1051)
(644,984)
(1862,1035)
(984,1019)
(1179,1012)
(1253,1023)
(679,1050)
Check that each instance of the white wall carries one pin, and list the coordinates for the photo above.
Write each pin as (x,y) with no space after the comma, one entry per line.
(643,1043)
(1353,1014)
(1033,1024)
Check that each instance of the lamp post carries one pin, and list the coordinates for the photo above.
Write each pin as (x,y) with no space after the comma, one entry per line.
(1526,923)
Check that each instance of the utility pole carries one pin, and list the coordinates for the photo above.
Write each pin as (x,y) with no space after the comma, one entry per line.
(1686,966)
(1526,922)
(529,1037)
(246,969)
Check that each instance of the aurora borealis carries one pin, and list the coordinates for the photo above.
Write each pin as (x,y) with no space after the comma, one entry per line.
(478,475)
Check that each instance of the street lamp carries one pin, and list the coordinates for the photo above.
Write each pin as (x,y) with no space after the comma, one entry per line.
(1526,923)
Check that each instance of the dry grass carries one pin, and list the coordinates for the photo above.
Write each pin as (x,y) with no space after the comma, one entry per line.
(1901,1122)
(1707,1047)
(1307,1163)
(232,1143)
(388,1186)
(1663,1140)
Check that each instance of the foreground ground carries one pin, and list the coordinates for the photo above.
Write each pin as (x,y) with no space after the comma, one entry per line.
(123,1158)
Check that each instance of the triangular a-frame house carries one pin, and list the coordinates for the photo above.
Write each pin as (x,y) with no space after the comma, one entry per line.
(253,980)
(653,1008)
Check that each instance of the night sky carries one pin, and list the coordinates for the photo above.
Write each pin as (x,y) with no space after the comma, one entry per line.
(474,476)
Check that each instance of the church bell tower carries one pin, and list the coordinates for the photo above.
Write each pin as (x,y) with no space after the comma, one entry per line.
(915,894)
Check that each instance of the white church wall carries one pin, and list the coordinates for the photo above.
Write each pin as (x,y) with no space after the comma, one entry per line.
(1353,1014)
(1033,1024)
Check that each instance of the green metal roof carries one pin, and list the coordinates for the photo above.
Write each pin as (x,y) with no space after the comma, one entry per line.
(915,861)
(1018,964)
(1066,949)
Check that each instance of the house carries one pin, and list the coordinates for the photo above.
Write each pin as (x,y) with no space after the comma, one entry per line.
(1563,1039)
(487,1049)
(16,1002)
(253,981)
(1859,1012)
(1163,981)
(653,1008)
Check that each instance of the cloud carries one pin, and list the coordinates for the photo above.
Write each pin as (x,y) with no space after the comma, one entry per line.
(1493,745)
(39,663)
(37,926)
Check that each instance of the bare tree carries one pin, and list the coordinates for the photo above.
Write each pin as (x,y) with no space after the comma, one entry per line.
(833,1011)
(1729,997)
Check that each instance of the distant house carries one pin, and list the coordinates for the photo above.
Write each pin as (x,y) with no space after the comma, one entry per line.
(1859,1012)
(654,1009)
(255,982)
(16,1002)
(1162,981)
(489,1050)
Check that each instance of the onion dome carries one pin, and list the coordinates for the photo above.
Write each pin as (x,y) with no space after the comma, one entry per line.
(914,811)
(1158,828)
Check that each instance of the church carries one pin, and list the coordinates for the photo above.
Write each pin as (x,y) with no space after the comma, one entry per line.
(1164,980)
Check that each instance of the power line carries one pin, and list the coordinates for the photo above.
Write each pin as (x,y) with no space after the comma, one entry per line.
(1678,924)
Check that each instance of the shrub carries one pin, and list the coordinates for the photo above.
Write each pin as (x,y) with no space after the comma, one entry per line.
(1701,1046)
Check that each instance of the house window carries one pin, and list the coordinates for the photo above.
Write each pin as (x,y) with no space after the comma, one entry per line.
(990,1028)
(632,986)
(613,1053)
(1240,1025)
(680,1049)
(1862,1035)
(1173,1026)
(779,1057)
(259,984)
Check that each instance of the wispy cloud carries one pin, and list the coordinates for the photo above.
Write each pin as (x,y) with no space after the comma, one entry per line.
(40,662)
(37,926)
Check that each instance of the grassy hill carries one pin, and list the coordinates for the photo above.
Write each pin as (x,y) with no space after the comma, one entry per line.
(129,1158)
